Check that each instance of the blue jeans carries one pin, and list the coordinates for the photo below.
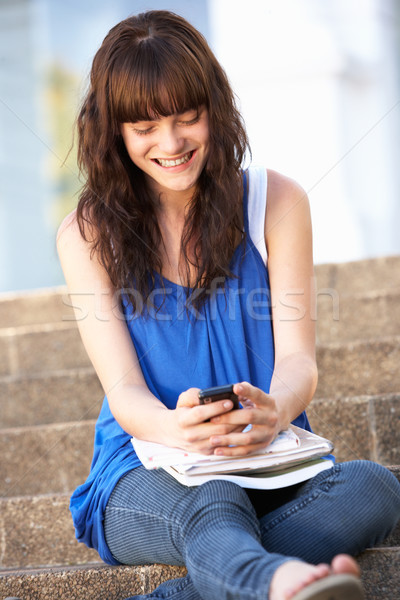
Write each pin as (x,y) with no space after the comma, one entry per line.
(232,540)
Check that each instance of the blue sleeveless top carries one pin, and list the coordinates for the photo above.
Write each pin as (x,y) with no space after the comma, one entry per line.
(229,340)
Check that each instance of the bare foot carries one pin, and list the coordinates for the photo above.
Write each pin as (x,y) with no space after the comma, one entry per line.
(294,575)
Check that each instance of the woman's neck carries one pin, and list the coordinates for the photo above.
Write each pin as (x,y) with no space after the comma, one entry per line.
(171,218)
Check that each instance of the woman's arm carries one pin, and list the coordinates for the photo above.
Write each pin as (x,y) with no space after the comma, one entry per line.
(288,234)
(102,328)
(108,343)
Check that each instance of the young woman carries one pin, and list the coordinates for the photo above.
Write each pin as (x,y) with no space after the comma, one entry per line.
(168,248)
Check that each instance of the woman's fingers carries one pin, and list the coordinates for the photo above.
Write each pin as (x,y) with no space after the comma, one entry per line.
(250,394)
(203,413)
(260,411)
(239,450)
(215,427)
(254,436)
(194,421)
(188,398)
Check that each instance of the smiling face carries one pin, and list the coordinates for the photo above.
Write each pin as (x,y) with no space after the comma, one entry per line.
(171,151)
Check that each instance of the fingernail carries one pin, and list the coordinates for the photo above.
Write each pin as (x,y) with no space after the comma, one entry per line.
(215,441)
(228,404)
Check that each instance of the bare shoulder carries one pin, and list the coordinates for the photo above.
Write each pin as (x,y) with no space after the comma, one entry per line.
(68,228)
(80,264)
(70,234)
(287,204)
(284,191)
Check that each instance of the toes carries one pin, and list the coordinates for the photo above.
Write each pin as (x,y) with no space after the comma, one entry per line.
(323,570)
(343,563)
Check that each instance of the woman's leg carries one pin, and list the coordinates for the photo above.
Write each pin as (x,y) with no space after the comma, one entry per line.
(212,529)
(351,507)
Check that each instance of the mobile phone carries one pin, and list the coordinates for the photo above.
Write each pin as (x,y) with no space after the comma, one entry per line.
(221,392)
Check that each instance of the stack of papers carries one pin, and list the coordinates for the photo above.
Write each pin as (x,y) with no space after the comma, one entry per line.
(294,456)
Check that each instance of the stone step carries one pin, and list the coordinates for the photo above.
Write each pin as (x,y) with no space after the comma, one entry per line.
(347,318)
(361,276)
(37,348)
(56,458)
(37,531)
(379,571)
(70,395)
(365,366)
(342,316)
(355,368)
(53,397)
(91,582)
(46,458)
(53,305)
(360,427)
(35,307)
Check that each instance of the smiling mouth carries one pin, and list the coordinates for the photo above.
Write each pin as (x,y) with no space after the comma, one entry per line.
(174,163)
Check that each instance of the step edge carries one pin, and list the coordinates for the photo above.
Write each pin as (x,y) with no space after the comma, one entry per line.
(48,426)
(38,375)
(34,292)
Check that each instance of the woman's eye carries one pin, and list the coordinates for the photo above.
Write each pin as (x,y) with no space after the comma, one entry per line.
(143,131)
(191,121)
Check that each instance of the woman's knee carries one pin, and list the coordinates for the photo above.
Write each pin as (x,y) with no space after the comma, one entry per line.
(348,508)
(374,479)
(378,494)
(224,502)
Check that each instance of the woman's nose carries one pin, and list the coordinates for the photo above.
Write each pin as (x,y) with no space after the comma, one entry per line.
(171,142)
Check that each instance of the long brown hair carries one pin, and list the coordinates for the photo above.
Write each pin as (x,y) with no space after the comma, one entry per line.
(157,64)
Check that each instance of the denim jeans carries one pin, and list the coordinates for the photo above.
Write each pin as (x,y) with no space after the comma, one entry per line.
(232,540)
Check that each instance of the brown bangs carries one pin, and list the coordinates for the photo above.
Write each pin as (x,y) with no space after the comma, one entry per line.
(153,82)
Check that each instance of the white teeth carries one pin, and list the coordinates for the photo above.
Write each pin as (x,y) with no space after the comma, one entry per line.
(174,163)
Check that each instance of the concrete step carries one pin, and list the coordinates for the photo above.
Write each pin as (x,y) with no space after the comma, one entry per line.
(358,277)
(379,567)
(347,318)
(360,427)
(35,307)
(355,368)
(37,531)
(54,305)
(45,459)
(37,348)
(354,300)
(52,397)
(381,573)
(367,366)
(56,457)
(28,350)
(94,582)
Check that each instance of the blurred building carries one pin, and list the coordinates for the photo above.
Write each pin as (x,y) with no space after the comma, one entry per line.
(319,88)
(27,257)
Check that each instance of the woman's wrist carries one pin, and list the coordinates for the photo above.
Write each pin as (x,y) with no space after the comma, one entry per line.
(293,386)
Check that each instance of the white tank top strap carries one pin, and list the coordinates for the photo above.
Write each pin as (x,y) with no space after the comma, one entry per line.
(257,203)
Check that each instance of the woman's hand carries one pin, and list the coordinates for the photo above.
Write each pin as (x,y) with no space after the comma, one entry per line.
(260,411)
(193,425)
